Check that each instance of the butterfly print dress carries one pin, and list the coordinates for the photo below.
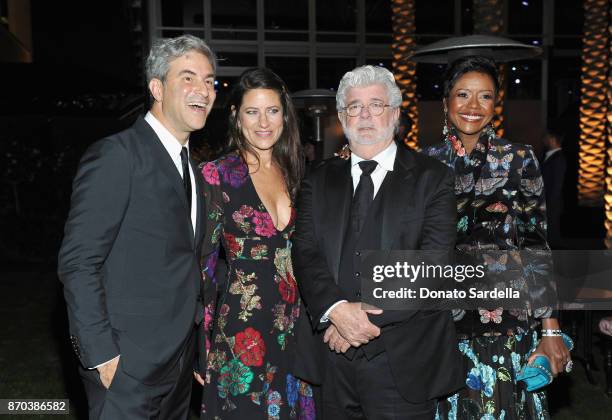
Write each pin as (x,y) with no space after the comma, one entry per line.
(500,206)
(251,341)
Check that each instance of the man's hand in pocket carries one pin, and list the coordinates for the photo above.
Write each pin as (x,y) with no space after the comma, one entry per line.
(107,371)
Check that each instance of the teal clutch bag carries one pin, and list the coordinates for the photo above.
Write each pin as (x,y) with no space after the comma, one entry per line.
(539,373)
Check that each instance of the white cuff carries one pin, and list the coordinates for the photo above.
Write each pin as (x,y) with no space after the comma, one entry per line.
(325,318)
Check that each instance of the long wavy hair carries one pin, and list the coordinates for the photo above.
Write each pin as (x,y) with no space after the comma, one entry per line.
(287,151)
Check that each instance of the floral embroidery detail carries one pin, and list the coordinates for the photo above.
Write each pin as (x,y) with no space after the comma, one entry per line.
(482,378)
(263,224)
(250,347)
(259,252)
(211,174)
(234,378)
(243,286)
(234,246)
(241,218)
(233,170)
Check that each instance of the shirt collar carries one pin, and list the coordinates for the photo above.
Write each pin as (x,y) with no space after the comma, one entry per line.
(171,144)
(385,159)
(549,153)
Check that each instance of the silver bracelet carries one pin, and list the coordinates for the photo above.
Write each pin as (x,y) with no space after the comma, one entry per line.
(551,333)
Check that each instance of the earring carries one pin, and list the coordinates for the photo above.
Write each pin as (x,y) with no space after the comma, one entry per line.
(445,127)
(490,129)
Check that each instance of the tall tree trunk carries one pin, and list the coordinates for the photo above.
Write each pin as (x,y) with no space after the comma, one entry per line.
(593,103)
(404,43)
(488,18)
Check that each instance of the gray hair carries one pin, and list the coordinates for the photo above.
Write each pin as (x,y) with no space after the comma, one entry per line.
(367,76)
(165,50)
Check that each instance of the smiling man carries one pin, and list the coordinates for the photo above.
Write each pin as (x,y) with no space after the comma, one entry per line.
(372,364)
(129,259)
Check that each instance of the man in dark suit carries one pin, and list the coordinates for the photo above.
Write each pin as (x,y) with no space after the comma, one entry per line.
(553,173)
(372,364)
(129,258)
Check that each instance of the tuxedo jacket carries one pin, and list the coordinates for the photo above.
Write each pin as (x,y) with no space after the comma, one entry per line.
(553,174)
(129,258)
(418,213)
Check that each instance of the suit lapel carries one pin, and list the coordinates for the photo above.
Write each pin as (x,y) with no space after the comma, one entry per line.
(397,188)
(164,163)
(339,193)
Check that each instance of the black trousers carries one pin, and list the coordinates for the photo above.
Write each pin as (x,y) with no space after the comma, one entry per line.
(127,398)
(365,389)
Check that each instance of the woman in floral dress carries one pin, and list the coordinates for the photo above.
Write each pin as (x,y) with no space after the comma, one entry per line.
(500,206)
(250,193)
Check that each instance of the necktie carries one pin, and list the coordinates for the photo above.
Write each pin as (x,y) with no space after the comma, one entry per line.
(364,195)
(186,177)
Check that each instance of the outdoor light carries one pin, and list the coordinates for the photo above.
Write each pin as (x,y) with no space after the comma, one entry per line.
(404,44)
(593,105)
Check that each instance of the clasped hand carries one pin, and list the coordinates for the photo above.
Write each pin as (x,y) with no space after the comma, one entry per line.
(555,350)
(350,326)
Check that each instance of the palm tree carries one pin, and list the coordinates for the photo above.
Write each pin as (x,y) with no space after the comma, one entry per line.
(404,43)
(608,196)
(489,20)
(594,105)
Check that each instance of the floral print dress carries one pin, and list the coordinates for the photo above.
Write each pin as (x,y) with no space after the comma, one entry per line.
(500,206)
(251,326)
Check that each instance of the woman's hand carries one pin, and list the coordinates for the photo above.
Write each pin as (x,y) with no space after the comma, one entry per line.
(555,350)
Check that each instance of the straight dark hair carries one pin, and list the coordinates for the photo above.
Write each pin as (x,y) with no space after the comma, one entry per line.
(461,66)
(287,151)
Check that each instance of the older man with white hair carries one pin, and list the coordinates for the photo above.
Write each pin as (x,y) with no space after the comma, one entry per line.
(372,364)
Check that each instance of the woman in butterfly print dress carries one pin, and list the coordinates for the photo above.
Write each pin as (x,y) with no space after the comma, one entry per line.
(500,206)
(250,192)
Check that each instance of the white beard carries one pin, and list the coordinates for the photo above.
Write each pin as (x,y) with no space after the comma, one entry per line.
(381,135)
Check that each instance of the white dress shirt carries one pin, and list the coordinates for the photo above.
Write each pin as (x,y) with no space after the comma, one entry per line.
(385,160)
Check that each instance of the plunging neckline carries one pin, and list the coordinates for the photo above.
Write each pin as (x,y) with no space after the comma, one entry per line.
(266,208)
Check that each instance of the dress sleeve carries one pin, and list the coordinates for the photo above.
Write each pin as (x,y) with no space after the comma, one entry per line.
(537,259)
(213,196)
(531,204)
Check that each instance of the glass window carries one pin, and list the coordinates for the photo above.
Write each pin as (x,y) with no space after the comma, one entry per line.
(564,84)
(430,79)
(286,15)
(336,16)
(293,70)
(467,21)
(569,17)
(382,62)
(223,87)
(378,16)
(435,17)
(172,33)
(233,14)
(379,29)
(525,16)
(524,79)
(331,70)
(182,13)
(237,59)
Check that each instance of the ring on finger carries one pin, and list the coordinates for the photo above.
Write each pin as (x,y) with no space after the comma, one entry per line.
(569,366)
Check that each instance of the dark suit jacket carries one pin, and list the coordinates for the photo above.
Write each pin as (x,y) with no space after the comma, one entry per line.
(419,215)
(553,174)
(129,258)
